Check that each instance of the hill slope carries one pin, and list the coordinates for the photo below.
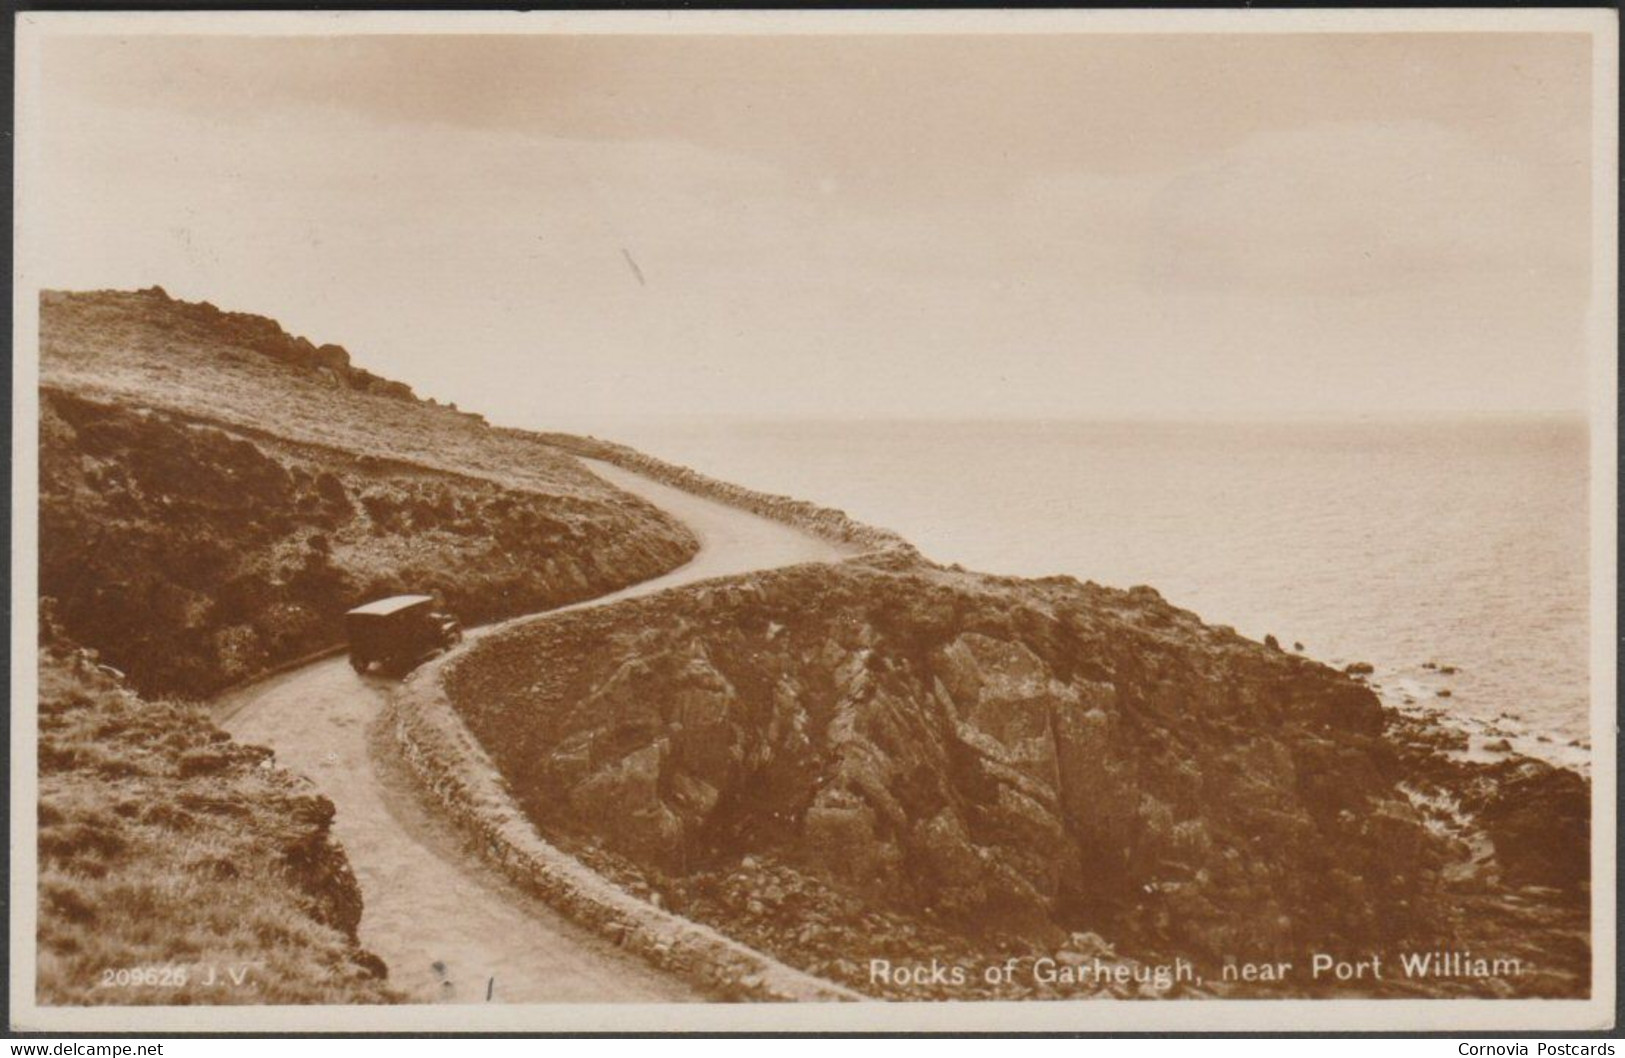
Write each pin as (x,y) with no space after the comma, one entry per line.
(214,493)
(177,866)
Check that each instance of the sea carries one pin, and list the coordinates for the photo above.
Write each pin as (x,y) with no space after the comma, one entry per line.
(1452,556)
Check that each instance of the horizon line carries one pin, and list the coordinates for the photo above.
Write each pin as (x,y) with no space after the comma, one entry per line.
(1157,419)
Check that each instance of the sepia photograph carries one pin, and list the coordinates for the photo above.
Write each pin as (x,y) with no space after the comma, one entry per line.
(1047,521)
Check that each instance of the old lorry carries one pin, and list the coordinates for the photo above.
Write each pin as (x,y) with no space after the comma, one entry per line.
(398,633)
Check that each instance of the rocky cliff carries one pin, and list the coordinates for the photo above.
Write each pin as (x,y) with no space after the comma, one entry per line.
(891,760)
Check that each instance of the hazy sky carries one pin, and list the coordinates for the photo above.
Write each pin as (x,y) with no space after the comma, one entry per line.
(551,228)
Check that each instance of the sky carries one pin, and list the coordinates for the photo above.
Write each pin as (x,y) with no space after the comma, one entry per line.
(551,229)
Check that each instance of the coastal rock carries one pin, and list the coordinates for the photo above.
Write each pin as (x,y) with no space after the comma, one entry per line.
(1036,758)
(1539,818)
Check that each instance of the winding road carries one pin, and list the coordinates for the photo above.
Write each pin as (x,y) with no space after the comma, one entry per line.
(450,927)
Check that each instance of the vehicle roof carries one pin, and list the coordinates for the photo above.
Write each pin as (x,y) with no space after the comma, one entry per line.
(393,604)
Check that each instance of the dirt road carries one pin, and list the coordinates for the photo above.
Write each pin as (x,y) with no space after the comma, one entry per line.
(451,928)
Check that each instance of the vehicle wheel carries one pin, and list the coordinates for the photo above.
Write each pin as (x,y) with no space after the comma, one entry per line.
(359,663)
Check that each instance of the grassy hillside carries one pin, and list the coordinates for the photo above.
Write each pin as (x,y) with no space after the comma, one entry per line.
(209,508)
(145,349)
(214,493)
(170,855)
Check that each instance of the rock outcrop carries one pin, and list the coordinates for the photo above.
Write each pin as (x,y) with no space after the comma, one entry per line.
(1539,818)
(970,756)
(261,334)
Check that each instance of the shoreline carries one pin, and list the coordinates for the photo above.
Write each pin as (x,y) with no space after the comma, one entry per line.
(1540,712)
(1483,740)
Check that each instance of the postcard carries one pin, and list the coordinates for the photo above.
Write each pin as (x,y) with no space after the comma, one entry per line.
(814,521)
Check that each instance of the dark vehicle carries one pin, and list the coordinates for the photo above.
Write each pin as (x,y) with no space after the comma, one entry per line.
(398,632)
